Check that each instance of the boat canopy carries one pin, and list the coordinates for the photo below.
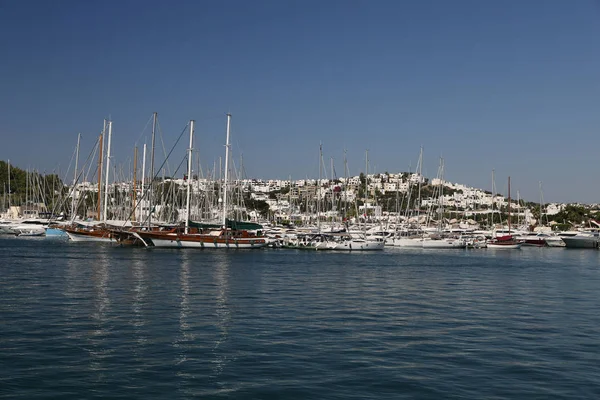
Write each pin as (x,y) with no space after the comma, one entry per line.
(231,224)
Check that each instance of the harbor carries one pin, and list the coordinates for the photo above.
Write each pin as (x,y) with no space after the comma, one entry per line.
(305,200)
(350,213)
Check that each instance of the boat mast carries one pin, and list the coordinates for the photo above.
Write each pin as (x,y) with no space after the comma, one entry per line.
(493,198)
(151,196)
(74,205)
(366,184)
(134,191)
(345,186)
(319,188)
(509,205)
(333,208)
(441,200)
(419,177)
(143,180)
(101,145)
(105,212)
(9,186)
(189,178)
(227,145)
(541,201)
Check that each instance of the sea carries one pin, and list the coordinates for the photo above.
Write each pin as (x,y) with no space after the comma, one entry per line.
(95,321)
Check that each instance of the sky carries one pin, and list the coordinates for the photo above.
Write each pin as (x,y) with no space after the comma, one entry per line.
(506,86)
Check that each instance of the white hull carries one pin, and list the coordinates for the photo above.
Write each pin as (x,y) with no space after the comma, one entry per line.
(30,232)
(555,242)
(406,242)
(503,246)
(352,245)
(6,230)
(444,244)
(427,243)
(86,238)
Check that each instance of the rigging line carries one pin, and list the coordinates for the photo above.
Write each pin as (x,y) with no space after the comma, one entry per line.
(143,130)
(73,188)
(155,176)
(162,142)
(70,163)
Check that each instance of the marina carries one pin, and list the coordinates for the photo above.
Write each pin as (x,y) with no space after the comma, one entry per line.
(335,213)
(320,200)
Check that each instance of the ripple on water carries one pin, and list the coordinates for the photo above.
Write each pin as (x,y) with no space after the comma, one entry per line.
(95,321)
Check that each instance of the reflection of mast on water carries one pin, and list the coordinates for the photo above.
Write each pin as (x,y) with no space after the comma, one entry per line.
(100,279)
(185,336)
(222,311)
(139,297)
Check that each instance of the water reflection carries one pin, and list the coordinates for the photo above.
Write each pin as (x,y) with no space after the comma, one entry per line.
(185,334)
(223,314)
(75,275)
(139,298)
(100,278)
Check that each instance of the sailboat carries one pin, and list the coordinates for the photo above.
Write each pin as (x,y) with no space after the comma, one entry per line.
(507,241)
(230,234)
(358,241)
(95,231)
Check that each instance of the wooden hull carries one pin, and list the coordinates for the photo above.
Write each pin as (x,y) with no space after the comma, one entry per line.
(200,241)
(534,242)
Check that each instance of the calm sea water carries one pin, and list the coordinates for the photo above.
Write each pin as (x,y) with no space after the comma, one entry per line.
(97,321)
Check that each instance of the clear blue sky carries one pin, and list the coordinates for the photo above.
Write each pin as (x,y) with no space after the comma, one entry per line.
(512,86)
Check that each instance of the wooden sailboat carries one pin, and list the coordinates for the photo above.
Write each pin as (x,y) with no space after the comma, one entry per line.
(230,234)
(98,231)
(507,241)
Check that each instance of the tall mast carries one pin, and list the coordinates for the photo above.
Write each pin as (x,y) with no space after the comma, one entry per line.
(419,177)
(100,155)
(189,178)
(319,188)
(74,205)
(151,196)
(332,193)
(345,185)
(134,191)
(509,205)
(143,180)
(9,186)
(220,182)
(227,145)
(493,198)
(105,212)
(366,183)
(541,201)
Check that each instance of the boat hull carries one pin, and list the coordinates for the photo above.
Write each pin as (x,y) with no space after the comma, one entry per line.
(353,245)
(505,246)
(576,242)
(555,242)
(427,243)
(86,237)
(444,244)
(55,232)
(201,241)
